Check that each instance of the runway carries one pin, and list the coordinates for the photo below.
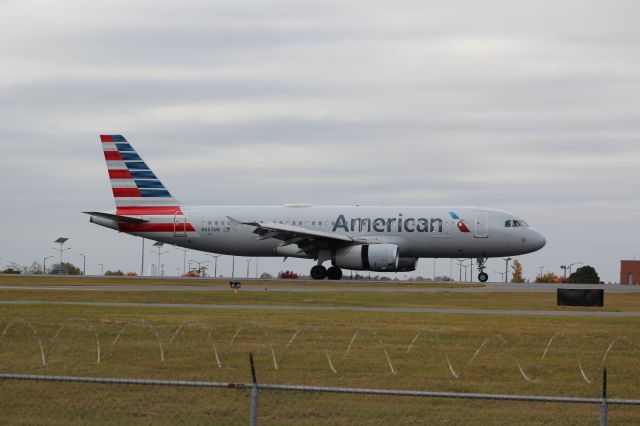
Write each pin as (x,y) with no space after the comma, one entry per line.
(281,286)
(335,308)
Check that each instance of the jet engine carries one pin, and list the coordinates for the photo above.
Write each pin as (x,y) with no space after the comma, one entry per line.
(368,257)
(407,264)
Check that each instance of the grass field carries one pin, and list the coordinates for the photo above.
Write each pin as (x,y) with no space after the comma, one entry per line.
(378,357)
(224,282)
(615,302)
(621,302)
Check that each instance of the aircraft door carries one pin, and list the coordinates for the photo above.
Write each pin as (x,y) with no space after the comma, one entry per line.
(481,225)
(179,225)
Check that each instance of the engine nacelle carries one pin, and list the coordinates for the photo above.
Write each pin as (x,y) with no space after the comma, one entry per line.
(368,257)
(407,264)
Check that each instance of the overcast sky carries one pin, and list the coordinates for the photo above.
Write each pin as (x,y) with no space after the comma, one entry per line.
(529,106)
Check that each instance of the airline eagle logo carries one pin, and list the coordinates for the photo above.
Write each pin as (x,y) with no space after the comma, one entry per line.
(460,224)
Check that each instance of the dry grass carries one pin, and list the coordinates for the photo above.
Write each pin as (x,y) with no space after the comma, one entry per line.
(190,356)
(224,282)
(621,302)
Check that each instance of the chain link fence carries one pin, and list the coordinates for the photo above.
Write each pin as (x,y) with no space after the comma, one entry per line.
(69,399)
(69,371)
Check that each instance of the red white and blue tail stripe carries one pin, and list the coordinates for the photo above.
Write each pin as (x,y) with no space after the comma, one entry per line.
(138,192)
(132,181)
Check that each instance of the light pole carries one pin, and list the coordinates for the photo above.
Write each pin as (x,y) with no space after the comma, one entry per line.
(44,264)
(541,269)
(233,266)
(248,263)
(506,269)
(84,263)
(434,270)
(501,275)
(461,264)
(142,260)
(61,241)
(200,267)
(159,245)
(215,264)
(184,260)
(571,266)
(450,269)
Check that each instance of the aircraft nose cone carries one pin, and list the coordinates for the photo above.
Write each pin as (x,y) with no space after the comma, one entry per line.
(538,240)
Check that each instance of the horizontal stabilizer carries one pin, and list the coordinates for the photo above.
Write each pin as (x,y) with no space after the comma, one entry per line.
(117,218)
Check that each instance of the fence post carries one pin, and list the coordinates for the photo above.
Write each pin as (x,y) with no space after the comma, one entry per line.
(604,410)
(254,394)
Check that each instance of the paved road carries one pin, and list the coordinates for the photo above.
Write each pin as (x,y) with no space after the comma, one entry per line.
(270,286)
(335,308)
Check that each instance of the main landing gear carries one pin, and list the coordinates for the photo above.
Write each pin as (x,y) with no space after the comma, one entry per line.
(334,273)
(483,277)
(319,272)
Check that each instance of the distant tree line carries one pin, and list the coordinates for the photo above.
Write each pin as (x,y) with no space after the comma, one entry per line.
(584,275)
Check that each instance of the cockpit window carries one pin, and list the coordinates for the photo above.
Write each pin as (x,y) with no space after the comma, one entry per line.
(516,224)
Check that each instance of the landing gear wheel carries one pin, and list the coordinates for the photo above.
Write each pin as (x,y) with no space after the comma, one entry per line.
(318,272)
(482,276)
(334,273)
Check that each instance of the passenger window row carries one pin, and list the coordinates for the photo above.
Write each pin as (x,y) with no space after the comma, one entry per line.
(283,222)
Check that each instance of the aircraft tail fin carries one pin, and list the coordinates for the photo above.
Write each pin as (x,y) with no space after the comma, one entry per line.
(136,189)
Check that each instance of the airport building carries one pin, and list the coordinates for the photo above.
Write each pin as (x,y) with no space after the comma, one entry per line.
(630,272)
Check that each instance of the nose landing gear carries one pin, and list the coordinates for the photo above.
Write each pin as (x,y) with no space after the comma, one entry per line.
(483,277)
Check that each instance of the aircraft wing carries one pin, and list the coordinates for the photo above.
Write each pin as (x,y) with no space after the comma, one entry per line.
(308,240)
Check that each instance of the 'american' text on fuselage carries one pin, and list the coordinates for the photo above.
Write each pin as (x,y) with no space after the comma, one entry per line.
(391,224)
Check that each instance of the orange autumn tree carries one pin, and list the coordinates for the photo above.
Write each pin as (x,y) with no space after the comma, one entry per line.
(517,272)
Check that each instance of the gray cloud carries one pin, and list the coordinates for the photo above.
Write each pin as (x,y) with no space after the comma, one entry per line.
(532,107)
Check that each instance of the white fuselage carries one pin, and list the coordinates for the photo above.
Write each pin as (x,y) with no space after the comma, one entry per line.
(417,231)
(385,239)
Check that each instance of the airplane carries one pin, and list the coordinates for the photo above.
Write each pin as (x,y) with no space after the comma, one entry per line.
(361,238)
